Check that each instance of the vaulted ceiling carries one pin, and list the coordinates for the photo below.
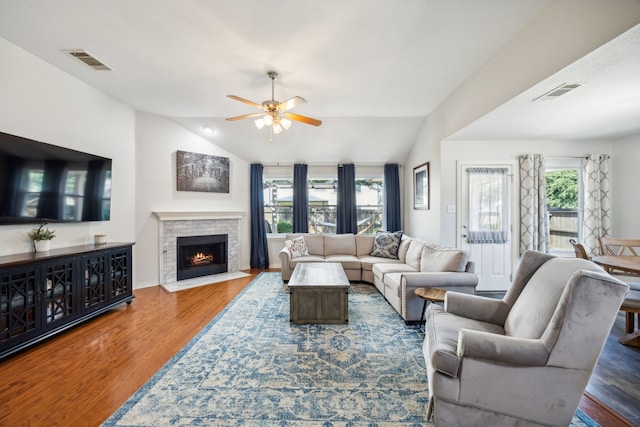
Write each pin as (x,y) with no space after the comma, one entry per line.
(371,70)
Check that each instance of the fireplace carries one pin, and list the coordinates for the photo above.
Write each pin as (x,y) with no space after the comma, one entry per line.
(201,255)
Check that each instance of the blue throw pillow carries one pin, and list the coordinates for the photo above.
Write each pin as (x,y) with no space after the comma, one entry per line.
(386,244)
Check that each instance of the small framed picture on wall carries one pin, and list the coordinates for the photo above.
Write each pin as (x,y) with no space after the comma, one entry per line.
(421,186)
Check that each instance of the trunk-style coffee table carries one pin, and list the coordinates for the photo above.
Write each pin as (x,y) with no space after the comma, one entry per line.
(319,293)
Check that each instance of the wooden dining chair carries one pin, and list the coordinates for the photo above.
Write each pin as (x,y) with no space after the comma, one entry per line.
(579,249)
(631,305)
(619,247)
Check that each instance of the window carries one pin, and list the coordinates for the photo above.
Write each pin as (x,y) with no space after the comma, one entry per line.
(323,185)
(488,205)
(369,203)
(323,196)
(564,204)
(278,204)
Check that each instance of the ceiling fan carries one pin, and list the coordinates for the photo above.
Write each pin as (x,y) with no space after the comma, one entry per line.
(274,113)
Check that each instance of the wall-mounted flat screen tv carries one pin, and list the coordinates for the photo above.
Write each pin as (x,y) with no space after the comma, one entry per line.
(41,182)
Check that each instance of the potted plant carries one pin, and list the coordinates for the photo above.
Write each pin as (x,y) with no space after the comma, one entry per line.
(41,237)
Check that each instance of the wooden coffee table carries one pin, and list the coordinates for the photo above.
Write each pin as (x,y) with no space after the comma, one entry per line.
(319,293)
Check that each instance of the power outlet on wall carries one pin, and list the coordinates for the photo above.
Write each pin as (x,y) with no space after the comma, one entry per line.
(451,208)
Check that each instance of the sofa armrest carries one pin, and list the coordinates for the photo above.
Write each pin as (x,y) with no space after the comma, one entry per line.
(285,257)
(445,280)
(501,349)
(476,307)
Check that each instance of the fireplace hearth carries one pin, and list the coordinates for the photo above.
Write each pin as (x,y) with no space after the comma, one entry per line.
(201,255)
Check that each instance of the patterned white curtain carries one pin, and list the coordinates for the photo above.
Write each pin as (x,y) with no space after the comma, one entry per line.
(488,210)
(597,201)
(534,223)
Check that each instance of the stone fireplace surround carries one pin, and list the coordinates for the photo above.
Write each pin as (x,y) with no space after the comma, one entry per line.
(172,225)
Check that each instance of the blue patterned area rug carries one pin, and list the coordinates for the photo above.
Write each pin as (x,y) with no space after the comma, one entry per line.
(251,367)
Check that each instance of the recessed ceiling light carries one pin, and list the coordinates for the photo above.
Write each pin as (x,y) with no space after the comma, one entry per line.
(208,130)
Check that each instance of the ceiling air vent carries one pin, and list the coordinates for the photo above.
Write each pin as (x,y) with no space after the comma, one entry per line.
(87,59)
(558,91)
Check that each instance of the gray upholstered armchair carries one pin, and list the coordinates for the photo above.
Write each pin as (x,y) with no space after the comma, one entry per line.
(524,360)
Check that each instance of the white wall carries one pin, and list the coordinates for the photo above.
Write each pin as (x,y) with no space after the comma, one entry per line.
(625,176)
(157,140)
(40,102)
(564,32)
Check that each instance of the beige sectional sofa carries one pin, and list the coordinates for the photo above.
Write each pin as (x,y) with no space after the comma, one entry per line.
(419,265)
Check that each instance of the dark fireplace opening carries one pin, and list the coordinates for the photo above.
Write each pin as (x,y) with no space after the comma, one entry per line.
(201,255)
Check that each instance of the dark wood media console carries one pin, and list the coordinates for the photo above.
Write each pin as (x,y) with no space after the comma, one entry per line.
(44,293)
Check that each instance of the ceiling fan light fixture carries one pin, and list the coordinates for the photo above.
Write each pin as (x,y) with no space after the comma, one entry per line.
(275,114)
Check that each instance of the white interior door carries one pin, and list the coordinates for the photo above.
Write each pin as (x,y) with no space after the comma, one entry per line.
(492,254)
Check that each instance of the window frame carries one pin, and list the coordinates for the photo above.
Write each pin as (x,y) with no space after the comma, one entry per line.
(325,173)
(567,163)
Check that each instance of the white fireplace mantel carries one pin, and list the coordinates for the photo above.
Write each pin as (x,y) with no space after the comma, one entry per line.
(187,215)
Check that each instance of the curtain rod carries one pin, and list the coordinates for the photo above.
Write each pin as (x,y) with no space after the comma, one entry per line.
(574,157)
(565,157)
(323,164)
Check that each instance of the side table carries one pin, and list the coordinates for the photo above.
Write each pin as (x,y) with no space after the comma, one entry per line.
(429,295)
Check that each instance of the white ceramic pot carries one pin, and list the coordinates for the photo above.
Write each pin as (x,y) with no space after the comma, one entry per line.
(42,245)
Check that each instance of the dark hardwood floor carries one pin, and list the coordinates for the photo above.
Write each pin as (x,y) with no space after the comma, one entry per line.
(616,379)
(83,375)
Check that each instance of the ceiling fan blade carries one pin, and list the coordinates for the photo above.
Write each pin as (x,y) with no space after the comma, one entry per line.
(246,116)
(303,119)
(246,101)
(291,103)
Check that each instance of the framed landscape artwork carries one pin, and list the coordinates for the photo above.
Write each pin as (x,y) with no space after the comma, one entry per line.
(421,186)
(202,172)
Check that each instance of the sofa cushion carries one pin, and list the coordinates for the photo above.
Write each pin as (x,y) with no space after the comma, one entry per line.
(369,261)
(414,253)
(381,269)
(436,259)
(297,247)
(404,247)
(310,258)
(442,337)
(364,244)
(385,244)
(339,244)
(349,262)
(393,281)
(314,242)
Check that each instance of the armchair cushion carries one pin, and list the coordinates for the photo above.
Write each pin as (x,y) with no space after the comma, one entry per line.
(443,330)
(532,311)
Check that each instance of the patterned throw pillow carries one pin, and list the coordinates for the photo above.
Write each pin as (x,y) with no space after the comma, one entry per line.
(297,247)
(386,244)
